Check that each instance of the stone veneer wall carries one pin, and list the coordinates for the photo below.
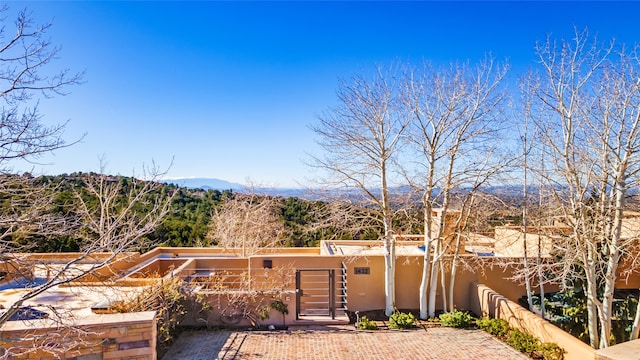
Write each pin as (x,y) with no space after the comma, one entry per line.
(487,302)
(110,336)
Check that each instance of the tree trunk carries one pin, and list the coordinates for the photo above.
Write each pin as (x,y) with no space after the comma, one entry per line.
(540,279)
(424,315)
(433,281)
(454,269)
(592,313)
(635,330)
(527,280)
(612,266)
(443,286)
(426,265)
(389,288)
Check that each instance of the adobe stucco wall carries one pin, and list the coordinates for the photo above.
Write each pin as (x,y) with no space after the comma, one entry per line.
(112,336)
(366,291)
(112,270)
(629,350)
(280,276)
(509,242)
(10,269)
(488,302)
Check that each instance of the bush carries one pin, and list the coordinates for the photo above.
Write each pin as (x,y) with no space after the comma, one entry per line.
(366,324)
(551,351)
(399,320)
(521,341)
(280,306)
(496,327)
(456,319)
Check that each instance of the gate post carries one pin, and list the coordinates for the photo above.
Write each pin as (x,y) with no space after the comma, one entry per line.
(298,293)
(332,293)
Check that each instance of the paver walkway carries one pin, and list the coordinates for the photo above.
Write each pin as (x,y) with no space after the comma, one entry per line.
(341,343)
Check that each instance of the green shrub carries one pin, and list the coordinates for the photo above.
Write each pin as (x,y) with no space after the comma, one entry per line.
(496,327)
(280,306)
(366,324)
(456,319)
(523,342)
(399,320)
(550,351)
(263,312)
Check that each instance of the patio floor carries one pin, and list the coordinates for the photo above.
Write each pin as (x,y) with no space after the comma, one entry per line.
(341,342)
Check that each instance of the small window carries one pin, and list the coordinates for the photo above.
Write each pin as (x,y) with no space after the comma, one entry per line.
(361,271)
(133,345)
(267,264)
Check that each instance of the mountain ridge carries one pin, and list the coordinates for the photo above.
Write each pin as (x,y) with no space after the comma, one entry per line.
(203,183)
(221,185)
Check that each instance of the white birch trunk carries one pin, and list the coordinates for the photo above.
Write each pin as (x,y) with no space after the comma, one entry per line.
(433,282)
(592,299)
(540,279)
(454,270)
(426,265)
(635,330)
(389,242)
(389,276)
(443,286)
(612,265)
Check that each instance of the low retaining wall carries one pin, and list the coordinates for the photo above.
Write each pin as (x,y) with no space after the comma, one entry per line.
(629,350)
(220,303)
(487,302)
(112,336)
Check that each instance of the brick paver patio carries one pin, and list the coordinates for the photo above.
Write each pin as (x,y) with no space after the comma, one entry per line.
(341,342)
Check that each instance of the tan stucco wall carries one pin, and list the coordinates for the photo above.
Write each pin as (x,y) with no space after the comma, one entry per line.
(158,268)
(308,261)
(509,242)
(220,303)
(222,263)
(65,257)
(112,270)
(629,350)
(190,251)
(13,269)
(408,275)
(487,302)
(366,292)
(630,227)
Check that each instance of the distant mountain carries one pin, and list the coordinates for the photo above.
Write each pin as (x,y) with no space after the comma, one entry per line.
(221,185)
(204,183)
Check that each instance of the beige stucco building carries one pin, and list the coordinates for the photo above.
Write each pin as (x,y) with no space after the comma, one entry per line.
(317,285)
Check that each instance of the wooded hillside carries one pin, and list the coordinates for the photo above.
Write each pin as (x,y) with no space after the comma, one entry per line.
(305,222)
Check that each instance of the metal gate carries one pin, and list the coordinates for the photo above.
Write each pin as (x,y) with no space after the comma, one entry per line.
(320,293)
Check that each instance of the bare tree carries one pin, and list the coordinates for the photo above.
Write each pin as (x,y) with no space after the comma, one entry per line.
(456,119)
(111,217)
(249,222)
(526,149)
(27,210)
(26,74)
(361,137)
(26,58)
(125,210)
(635,329)
(587,111)
(343,217)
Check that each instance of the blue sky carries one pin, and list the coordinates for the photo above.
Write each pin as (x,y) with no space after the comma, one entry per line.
(228,89)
